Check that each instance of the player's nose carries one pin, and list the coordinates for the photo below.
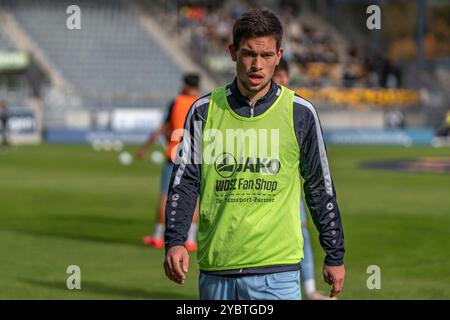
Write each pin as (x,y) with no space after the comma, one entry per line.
(257,63)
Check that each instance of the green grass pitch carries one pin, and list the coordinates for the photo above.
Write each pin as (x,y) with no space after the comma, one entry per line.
(69,205)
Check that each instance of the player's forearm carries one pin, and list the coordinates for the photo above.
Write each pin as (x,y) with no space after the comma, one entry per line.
(153,137)
(180,206)
(326,217)
(150,140)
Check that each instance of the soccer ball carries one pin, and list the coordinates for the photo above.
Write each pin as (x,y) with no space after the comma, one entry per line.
(157,157)
(125,158)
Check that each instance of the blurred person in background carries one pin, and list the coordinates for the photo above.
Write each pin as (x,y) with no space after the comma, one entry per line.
(307,276)
(4,119)
(444,131)
(172,129)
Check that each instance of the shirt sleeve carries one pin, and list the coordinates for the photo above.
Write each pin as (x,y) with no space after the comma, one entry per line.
(169,111)
(185,179)
(318,185)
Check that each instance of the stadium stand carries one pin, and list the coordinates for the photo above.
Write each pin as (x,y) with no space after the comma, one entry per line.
(5,43)
(319,55)
(16,94)
(110,62)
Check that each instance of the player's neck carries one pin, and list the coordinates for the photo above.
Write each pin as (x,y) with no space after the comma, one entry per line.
(251,95)
(189,92)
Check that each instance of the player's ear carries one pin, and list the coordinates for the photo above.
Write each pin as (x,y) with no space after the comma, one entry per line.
(233,51)
(279,55)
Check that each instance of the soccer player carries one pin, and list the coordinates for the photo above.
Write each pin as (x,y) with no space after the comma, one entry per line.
(444,131)
(172,130)
(281,76)
(250,240)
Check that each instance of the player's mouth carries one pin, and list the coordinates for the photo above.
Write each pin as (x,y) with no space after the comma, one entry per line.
(255,79)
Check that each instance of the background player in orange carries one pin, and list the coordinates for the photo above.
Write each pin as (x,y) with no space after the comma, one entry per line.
(172,129)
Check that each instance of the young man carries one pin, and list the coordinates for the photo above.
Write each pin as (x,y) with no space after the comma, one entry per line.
(250,242)
(174,121)
(307,277)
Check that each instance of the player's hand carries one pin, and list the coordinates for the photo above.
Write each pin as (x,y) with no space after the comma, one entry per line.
(140,153)
(334,275)
(175,256)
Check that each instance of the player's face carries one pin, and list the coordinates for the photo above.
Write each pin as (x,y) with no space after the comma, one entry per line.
(281,77)
(256,59)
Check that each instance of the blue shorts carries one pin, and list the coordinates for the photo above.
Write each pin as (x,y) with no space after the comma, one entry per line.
(303,218)
(166,173)
(272,286)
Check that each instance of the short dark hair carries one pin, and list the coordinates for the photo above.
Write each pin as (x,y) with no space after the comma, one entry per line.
(257,23)
(282,66)
(191,79)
